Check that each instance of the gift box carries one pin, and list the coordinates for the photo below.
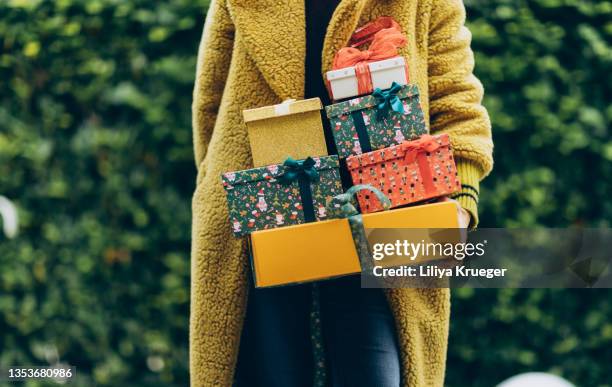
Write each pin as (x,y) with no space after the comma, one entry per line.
(377,121)
(292,128)
(411,172)
(358,72)
(323,250)
(280,195)
(364,78)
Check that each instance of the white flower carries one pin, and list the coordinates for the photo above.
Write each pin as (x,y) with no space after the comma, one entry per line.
(8,213)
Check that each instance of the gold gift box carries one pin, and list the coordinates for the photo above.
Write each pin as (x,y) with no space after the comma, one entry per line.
(292,128)
(321,250)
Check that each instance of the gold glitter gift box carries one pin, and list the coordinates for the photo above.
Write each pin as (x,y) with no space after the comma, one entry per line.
(290,129)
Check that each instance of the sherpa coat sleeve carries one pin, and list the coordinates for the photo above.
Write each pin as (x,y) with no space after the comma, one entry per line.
(214,56)
(455,97)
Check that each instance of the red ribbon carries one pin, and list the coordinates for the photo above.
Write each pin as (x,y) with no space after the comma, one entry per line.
(364,78)
(365,33)
(385,44)
(416,151)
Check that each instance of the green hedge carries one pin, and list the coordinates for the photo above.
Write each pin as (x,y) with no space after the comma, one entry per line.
(95,150)
(545,67)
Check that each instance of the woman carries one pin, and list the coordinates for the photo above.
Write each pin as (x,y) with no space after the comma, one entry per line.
(256,53)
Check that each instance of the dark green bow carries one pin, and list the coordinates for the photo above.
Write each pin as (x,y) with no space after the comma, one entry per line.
(388,99)
(296,168)
(304,173)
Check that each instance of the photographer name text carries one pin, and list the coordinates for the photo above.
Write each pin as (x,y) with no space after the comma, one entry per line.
(437,272)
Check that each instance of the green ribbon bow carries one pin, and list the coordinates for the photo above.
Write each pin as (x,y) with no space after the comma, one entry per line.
(388,100)
(341,206)
(294,169)
(303,172)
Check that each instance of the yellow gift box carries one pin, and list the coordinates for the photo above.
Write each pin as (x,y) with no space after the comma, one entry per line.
(321,250)
(292,128)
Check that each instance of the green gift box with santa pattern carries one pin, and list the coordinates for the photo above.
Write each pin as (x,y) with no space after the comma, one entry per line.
(376,121)
(280,195)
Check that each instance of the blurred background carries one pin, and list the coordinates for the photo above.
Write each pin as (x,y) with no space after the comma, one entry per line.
(96,154)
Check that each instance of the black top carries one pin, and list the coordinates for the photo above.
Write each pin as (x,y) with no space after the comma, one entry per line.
(318,15)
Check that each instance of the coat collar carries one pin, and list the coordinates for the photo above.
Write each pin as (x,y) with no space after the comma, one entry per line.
(274,35)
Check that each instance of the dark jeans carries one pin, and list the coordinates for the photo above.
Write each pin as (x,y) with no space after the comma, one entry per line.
(358,331)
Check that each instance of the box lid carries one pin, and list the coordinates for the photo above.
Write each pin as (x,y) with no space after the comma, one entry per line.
(347,72)
(367,101)
(387,154)
(288,107)
(271,172)
(385,64)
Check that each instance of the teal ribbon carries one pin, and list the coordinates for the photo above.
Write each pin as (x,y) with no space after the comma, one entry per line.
(341,206)
(303,172)
(296,169)
(388,100)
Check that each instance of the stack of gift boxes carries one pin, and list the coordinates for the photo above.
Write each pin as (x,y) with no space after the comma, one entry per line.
(378,126)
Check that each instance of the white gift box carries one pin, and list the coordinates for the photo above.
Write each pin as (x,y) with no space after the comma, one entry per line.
(358,80)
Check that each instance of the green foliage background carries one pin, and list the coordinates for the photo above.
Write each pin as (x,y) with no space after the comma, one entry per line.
(95,150)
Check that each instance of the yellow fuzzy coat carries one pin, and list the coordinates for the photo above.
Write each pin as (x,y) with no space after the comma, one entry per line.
(252,54)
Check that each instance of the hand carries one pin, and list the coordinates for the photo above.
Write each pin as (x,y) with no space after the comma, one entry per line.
(464,218)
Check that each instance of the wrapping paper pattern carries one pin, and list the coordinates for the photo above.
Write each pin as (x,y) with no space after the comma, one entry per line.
(391,129)
(405,175)
(257,200)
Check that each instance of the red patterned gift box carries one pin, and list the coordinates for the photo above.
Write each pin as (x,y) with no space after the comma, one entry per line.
(410,172)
